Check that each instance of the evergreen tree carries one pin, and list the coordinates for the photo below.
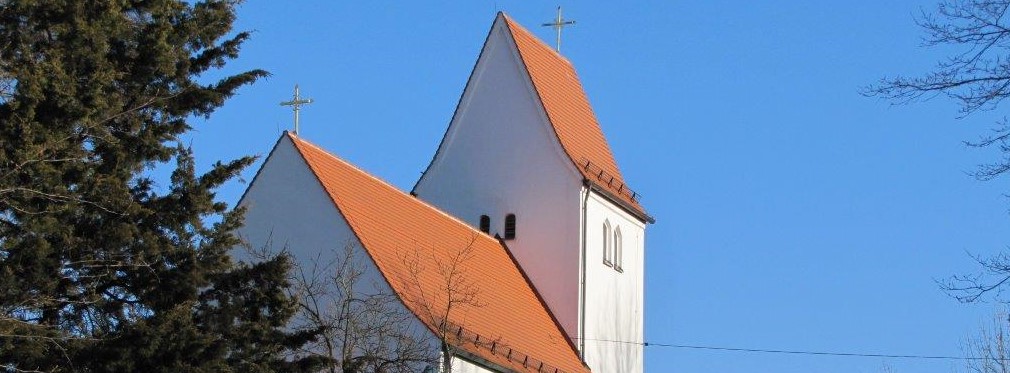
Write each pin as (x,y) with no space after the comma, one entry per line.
(100,269)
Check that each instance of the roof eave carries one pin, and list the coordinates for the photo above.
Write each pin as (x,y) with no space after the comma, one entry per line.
(637,211)
(543,302)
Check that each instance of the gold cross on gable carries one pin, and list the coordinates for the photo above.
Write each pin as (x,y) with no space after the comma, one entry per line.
(297,103)
(558,24)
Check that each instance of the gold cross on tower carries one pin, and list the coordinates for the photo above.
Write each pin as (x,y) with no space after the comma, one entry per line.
(558,24)
(297,103)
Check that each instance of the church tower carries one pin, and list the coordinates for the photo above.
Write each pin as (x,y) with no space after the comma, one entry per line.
(524,158)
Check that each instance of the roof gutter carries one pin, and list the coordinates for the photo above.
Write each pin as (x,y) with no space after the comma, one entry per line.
(624,205)
(582,273)
(479,361)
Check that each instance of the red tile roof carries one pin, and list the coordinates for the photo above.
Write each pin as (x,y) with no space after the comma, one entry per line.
(411,242)
(572,117)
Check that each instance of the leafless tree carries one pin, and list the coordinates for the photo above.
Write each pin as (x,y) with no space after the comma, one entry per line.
(985,352)
(990,281)
(977,78)
(364,326)
(990,349)
(456,293)
(885,367)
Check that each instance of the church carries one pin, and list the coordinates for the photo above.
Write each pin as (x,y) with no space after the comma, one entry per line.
(523,197)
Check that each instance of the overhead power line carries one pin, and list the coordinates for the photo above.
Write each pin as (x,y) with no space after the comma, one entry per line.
(799,352)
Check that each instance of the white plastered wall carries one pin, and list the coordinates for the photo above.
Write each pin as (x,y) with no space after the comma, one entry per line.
(288,209)
(460,365)
(501,156)
(614,299)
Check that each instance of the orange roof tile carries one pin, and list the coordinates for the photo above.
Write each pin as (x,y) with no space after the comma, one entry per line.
(401,232)
(572,117)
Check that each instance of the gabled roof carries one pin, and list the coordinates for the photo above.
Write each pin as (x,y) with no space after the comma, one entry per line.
(411,241)
(568,110)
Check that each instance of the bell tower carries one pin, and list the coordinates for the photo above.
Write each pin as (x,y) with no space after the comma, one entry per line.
(524,158)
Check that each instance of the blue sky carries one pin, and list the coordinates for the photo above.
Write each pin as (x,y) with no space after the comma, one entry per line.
(791,212)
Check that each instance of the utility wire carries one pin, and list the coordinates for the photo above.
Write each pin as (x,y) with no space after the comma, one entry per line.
(798,352)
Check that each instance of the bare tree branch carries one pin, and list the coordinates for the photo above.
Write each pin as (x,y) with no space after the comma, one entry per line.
(364,326)
(990,349)
(978,79)
(971,287)
(457,293)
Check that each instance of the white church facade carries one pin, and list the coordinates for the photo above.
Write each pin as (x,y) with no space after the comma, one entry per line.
(524,179)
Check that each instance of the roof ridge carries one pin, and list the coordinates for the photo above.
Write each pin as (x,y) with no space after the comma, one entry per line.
(390,186)
(566,105)
(318,161)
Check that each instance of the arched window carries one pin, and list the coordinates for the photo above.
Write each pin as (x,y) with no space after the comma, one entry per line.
(618,249)
(606,243)
(485,224)
(510,226)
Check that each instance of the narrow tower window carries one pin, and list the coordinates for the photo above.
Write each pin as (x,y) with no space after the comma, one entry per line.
(618,249)
(510,226)
(485,224)
(606,243)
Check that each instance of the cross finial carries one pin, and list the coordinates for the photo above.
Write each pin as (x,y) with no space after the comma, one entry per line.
(558,24)
(297,103)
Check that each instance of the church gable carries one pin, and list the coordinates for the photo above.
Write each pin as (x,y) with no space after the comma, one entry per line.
(558,100)
(567,107)
(287,208)
(499,122)
(524,158)
(410,242)
(501,158)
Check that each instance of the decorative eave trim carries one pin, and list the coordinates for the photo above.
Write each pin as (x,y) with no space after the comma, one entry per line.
(621,203)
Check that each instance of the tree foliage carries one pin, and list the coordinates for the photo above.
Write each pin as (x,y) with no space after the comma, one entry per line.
(102,268)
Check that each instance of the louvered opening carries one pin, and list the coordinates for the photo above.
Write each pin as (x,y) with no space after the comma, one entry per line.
(510,226)
(485,224)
